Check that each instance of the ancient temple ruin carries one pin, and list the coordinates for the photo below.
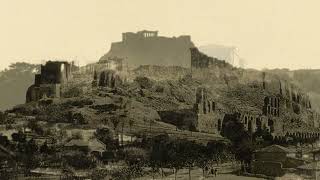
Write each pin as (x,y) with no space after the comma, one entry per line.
(207,117)
(271,106)
(130,36)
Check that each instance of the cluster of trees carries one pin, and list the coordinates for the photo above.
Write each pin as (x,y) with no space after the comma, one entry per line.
(166,152)
(161,152)
(2,117)
(244,143)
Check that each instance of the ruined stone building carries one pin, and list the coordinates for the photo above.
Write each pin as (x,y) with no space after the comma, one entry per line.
(271,106)
(53,75)
(315,116)
(210,119)
(293,96)
(148,48)
(110,73)
(109,78)
(251,122)
(207,117)
(278,104)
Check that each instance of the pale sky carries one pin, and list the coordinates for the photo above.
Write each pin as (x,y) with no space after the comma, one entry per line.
(268,33)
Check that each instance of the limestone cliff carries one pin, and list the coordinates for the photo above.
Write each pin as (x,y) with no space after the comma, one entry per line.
(147,48)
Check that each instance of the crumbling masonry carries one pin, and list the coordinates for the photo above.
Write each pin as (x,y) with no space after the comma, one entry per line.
(207,117)
(48,84)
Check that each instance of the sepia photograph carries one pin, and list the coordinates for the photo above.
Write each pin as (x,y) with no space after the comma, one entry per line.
(159,90)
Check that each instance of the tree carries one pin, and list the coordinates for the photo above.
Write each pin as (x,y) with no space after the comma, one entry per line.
(19,137)
(241,140)
(105,121)
(159,152)
(203,159)
(131,123)
(262,138)
(78,160)
(4,140)
(144,82)
(176,161)
(115,122)
(34,126)
(189,153)
(218,151)
(191,128)
(122,113)
(31,147)
(151,122)
(78,117)
(2,117)
(44,149)
(105,135)
(135,156)
(122,118)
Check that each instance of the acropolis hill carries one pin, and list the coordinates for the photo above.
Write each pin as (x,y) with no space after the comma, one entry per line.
(147,48)
(176,85)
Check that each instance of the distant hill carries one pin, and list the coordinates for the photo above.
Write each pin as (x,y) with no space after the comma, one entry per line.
(14,83)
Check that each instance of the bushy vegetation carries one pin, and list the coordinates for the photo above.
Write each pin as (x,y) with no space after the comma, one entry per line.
(144,82)
(72,92)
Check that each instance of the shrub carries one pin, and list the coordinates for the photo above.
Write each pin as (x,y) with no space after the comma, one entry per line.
(79,160)
(73,92)
(2,117)
(144,82)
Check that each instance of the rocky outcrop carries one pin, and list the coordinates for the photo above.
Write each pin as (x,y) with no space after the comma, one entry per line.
(147,48)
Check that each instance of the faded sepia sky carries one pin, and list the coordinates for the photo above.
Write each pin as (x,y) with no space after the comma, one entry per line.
(268,33)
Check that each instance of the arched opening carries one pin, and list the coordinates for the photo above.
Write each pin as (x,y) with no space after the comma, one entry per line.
(204,107)
(213,106)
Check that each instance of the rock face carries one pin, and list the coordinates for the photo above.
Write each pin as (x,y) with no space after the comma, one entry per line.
(147,48)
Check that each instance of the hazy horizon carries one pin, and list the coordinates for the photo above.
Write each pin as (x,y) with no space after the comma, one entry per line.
(268,34)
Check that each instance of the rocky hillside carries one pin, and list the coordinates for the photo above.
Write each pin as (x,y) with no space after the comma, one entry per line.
(306,79)
(158,90)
